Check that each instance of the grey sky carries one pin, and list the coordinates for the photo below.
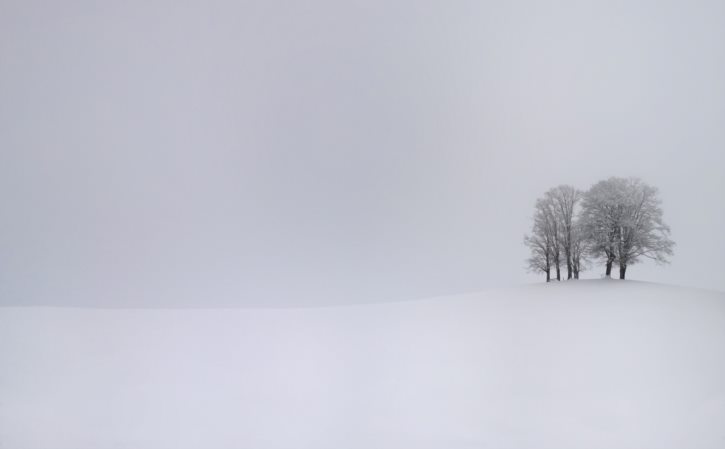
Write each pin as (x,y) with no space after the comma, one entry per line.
(209,153)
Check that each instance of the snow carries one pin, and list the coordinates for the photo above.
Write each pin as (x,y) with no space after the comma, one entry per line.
(595,364)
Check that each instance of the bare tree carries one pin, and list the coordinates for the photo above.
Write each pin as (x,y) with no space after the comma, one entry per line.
(555,238)
(562,200)
(542,241)
(540,260)
(579,248)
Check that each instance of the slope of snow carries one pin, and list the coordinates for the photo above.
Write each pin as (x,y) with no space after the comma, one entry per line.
(588,364)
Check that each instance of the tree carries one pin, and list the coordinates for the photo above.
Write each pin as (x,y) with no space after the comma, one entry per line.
(562,200)
(600,219)
(543,241)
(622,221)
(642,231)
(540,259)
(553,226)
(579,248)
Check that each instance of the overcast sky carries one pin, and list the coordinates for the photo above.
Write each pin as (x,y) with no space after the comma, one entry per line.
(316,152)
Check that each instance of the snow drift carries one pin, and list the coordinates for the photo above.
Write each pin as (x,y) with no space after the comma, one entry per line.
(595,364)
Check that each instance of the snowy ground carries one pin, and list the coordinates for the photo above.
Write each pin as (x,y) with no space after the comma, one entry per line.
(588,364)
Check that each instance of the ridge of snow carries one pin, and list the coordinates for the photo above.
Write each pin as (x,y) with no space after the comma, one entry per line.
(596,364)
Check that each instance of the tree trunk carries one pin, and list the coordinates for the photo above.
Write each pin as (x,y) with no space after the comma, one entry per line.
(576,274)
(622,271)
(568,269)
(609,268)
(558,273)
(548,275)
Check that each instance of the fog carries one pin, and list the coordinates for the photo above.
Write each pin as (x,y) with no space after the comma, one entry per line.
(175,154)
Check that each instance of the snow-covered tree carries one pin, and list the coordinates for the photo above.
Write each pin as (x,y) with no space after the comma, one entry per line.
(642,231)
(601,216)
(562,200)
(622,220)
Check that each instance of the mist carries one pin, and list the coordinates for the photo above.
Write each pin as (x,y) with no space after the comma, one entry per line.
(305,153)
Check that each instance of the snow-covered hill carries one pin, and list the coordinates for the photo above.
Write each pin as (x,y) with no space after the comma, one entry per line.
(587,364)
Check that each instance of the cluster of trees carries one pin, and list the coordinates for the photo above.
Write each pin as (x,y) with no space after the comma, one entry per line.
(618,220)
